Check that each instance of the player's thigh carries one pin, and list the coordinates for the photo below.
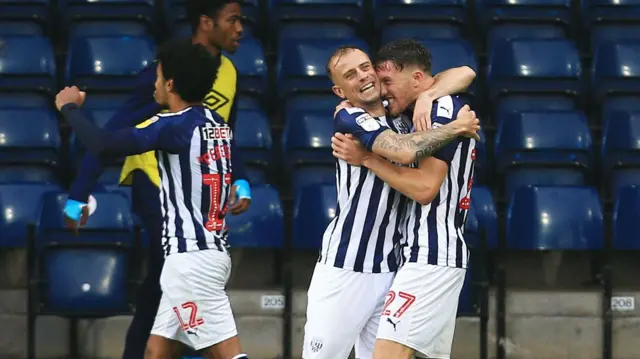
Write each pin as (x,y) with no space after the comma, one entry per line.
(197,291)
(159,347)
(421,308)
(367,337)
(339,304)
(166,323)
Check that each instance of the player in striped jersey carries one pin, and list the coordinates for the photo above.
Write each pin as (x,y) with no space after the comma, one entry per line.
(360,250)
(420,311)
(192,146)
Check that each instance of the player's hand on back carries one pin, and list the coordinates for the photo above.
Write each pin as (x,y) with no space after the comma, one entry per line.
(341,105)
(467,124)
(70,95)
(422,112)
(348,149)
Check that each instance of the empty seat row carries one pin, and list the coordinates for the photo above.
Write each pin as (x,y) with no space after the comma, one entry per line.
(538,218)
(535,147)
(515,73)
(353,12)
(25,204)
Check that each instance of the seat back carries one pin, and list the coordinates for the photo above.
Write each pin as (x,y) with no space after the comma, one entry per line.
(515,66)
(113,72)
(251,65)
(262,225)
(626,216)
(616,69)
(27,64)
(20,207)
(29,136)
(561,218)
(112,222)
(86,281)
(304,67)
(314,207)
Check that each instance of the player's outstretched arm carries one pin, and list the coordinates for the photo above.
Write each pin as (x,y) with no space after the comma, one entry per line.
(448,82)
(139,107)
(412,147)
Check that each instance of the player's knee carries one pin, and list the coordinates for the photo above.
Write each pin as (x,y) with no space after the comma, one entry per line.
(156,349)
(386,349)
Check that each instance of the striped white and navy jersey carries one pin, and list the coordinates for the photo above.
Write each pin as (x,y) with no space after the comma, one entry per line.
(192,148)
(434,233)
(364,235)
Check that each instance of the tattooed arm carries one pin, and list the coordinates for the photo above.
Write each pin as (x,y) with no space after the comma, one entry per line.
(415,146)
(406,149)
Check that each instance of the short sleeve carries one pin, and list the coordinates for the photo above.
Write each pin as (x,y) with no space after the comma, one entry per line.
(360,124)
(159,133)
(444,111)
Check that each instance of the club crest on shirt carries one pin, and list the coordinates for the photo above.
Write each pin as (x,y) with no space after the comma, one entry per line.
(316,345)
(401,125)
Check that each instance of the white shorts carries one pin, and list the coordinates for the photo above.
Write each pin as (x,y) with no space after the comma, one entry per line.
(421,307)
(343,309)
(194,308)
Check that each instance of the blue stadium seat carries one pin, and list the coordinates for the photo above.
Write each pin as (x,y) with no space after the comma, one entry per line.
(260,226)
(480,170)
(417,31)
(556,12)
(555,217)
(620,150)
(177,23)
(22,28)
(472,229)
(107,28)
(306,143)
(101,286)
(531,148)
(86,280)
(304,67)
(245,102)
(30,146)
(252,15)
(604,13)
(143,11)
(515,68)
(616,70)
(110,175)
(111,222)
(485,211)
(253,136)
(344,11)
(614,32)
(626,216)
(27,65)
(251,65)
(528,31)
(19,207)
(531,103)
(451,53)
(316,30)
(106,101)
(420,11)
(314,207)
(37,12)
(318,102)
(97,63)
